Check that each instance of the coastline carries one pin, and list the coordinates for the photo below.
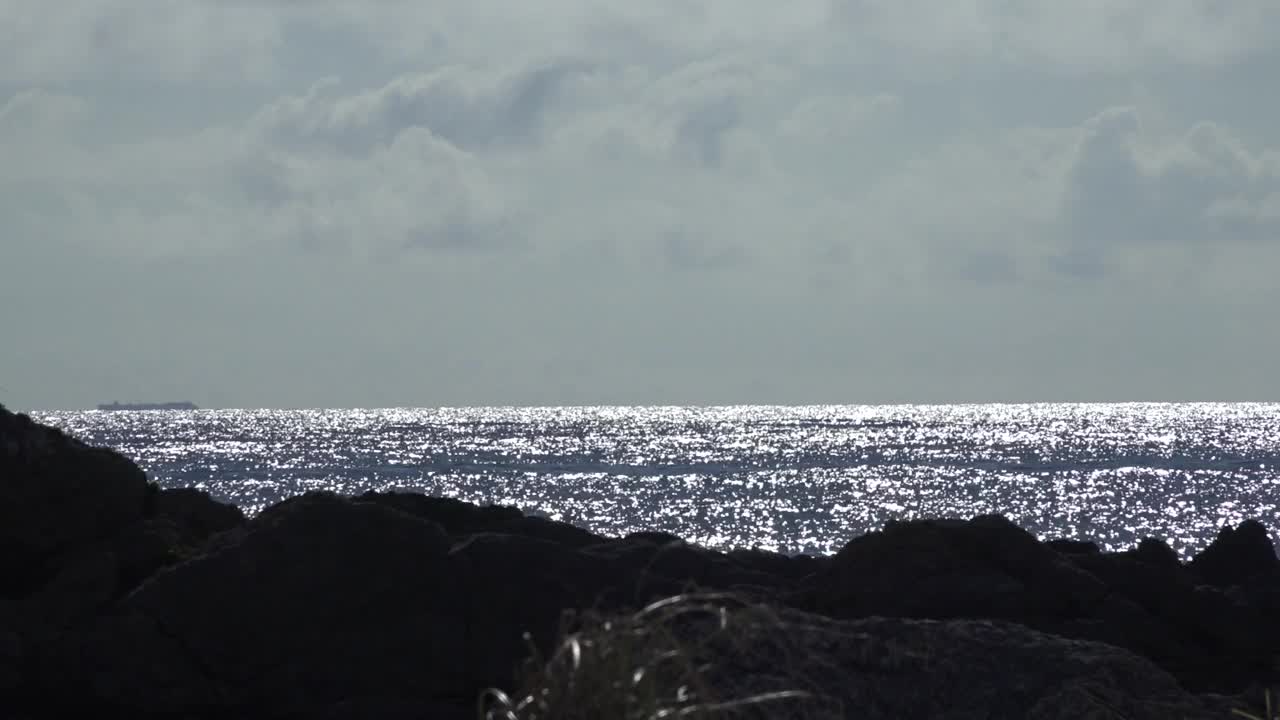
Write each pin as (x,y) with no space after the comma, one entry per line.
(119,595)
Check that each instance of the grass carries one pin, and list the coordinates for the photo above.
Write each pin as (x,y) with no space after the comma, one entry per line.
(1271,713)
(677,659)
(668,661)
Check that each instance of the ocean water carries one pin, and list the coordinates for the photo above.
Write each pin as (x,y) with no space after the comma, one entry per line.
(792,479)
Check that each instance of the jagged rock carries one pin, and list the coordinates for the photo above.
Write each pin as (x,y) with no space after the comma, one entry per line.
(1238,556)
(1154,551)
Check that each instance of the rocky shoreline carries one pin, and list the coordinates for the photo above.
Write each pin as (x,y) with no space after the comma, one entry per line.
(116,595)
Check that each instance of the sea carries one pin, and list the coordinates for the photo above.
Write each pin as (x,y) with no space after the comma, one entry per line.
(788,479)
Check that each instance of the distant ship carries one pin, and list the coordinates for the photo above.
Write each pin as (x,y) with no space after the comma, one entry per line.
(115,406)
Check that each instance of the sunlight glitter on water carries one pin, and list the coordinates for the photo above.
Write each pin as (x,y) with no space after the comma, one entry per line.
(791,478)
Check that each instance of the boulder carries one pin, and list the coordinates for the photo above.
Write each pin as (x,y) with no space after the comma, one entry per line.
(789,567)
(460,519)
(195,514)
(12,659)
(513,586)
(870,669)
(315,601)
(983,568)
(1238,556)
(1073,547)
(57,494)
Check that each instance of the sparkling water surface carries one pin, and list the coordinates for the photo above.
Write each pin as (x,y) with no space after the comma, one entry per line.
(794,479)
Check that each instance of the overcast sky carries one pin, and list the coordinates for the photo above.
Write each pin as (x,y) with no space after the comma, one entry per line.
(287,203)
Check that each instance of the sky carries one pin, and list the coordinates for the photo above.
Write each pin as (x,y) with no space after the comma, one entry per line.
(315,203)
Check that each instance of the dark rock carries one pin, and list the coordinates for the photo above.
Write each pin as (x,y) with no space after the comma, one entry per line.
(516,585)
(143,548)
(131,663)
(1238,556)
(314,601)
(12,659)
(891,668)
(460,519)
(652,537)
(1158,587)
(390,708)
(85,584)
(1154,551)
(544,529)
(196,515)
(1206,638)
(1073,547)
(57,494)
(789,567)
(118,596)
(984,568)
(679,567)
(454,516)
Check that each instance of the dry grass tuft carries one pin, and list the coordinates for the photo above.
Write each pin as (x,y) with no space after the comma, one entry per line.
(1270,712)
(672,659)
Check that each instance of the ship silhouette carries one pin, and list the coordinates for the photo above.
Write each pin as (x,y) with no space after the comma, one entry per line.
(116,406)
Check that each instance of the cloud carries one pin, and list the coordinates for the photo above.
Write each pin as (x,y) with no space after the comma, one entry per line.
(692,252)
(32,111)
(1095,35)
(418,192)
(837,200)
(137,43)
(1127,186)
(465,106)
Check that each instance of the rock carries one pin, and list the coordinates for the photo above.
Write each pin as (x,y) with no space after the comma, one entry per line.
(870,668)
(1156,552)
(57,494)
(1238,556)
(789,567)
(11,651)
(1206,638)
(196,515)
(117,596)
(454,516)
(460,519)
(678,567)
(1073,547)
(655,538)
(131,663)
(516,585)
(144,547)
(388,708)
(86,583)
(983,568)
(314,601)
